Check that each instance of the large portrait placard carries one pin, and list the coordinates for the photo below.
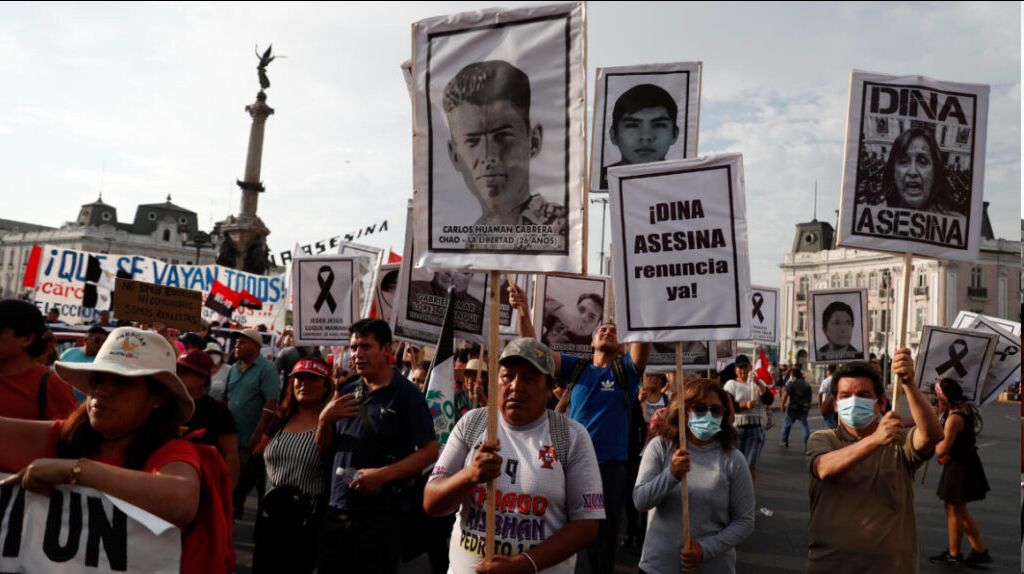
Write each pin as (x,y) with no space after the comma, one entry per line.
(643,114)
(679,232)
(499,139)
(568,309)
(838,326)
(958,354)
(914,166)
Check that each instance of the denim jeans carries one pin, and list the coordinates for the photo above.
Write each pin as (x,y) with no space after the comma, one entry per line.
(790,420)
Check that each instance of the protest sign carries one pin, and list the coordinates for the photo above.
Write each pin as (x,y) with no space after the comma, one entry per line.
(508,322)
(1005,369)
(75,530)
(696,355)
(838,325)
(147,303)
(725,353)
(283,258)
(642,114)
(764,317)
(679,232)
(965,318)
(499,139)
(422,297)
(568,309)
(369,259)
(385,290)
(326,298)
(914,166)
(957,354)
(61,272)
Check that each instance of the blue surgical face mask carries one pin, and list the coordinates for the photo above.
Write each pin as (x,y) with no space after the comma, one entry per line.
(705,426)
(857,412)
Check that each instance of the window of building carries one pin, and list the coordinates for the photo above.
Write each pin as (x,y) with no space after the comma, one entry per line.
(167,235)
(151,216)
(976,278)
(834,281)
(860,280)
(873,281)
(803,286)
(105,216)
(885,320)
(800,319)
(922,280)
(873,320)
(919,319)
(847,280)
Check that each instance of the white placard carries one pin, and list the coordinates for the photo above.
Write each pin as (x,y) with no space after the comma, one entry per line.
(964,319)
(326,302)
(499,139)
(79,530)
(1005,369)
(370,259)
(643,113)
(568,309)
(764,314)
(385,290)
(837,322)
(956,354)
(508,321)
(914,166)
(679,232)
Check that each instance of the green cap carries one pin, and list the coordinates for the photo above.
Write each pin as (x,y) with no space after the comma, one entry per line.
(532,351)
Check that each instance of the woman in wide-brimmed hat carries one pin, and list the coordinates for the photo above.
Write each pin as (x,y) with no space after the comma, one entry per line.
(121,441)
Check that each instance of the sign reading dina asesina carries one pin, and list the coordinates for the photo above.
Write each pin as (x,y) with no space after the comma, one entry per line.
(680,238)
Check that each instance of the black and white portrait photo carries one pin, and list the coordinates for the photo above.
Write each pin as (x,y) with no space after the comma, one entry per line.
(386,289)
(914,166)
(498,152)
(696,355)
(840,334)
(644,114)
(570,309)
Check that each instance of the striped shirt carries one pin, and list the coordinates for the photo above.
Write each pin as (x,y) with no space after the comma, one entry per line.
(292,459)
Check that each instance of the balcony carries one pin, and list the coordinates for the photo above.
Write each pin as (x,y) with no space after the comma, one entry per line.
(977,292)
(921,290)
(800,335)
(883,293)
(801,296)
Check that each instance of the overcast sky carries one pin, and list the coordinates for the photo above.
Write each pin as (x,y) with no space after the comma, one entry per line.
(146,100)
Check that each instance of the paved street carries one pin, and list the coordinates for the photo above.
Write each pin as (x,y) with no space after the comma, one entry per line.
(779,542)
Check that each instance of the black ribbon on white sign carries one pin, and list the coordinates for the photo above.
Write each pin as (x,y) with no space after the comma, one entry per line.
(1007,352)
(325,282)
(758,301)
(957,351)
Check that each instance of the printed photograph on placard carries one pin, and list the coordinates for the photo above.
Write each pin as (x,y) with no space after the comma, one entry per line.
(499,152)
(386,288)
(914,166)
(696,355)
(570,309)
(508,321)
(643,114)
(957,354)
(326,300)
(840,333)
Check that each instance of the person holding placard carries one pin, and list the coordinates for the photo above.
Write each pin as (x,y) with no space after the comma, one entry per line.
(122,442)
(544,468)
(862,473)
(751,416)
(963,478)
(600,394)
(720,490)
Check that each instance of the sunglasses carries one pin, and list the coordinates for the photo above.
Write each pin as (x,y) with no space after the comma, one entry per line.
(700,409)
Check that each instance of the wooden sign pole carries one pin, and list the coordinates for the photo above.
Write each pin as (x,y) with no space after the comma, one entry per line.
(492,402)
(901,335)
(684,494)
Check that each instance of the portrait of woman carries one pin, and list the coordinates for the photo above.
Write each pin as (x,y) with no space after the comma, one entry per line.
(915,176)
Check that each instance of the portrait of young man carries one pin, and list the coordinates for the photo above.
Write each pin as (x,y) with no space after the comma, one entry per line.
(644,126)
(492,142)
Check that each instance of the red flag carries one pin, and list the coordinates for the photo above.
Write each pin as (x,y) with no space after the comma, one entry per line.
(222,300)
(394,257)
(32,270)
(762,369)
(249,301)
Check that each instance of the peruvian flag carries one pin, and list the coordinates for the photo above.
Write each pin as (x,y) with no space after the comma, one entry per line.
(222,300)
(32,267)
(761,368)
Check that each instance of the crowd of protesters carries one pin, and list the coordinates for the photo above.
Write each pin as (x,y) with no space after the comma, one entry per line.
(342,455)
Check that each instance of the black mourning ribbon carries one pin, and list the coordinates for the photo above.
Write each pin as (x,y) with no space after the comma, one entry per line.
(1009,351)
(325,282)
(957,350)
(758,301)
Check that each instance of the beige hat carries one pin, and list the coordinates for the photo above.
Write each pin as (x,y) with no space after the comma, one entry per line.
(131,352)
(474,365)
(252,335)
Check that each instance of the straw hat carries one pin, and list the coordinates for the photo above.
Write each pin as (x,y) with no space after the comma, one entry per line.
(131,352)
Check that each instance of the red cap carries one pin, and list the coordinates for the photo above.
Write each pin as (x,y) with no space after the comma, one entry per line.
(311,365)
(197,361)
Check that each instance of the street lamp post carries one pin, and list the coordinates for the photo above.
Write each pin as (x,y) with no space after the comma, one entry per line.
(199,240)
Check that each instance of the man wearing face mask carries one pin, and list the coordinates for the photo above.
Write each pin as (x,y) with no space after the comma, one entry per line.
(862,474)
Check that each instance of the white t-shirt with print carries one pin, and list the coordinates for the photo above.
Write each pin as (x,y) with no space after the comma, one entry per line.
(534,497)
